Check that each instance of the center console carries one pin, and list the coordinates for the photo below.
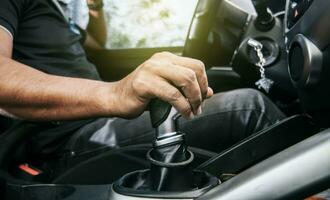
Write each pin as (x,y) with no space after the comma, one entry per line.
(170,175)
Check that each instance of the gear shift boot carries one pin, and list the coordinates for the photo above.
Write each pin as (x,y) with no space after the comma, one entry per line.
(170,168)
(170,174)
(137,184)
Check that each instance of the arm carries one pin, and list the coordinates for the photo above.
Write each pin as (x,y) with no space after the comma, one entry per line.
(97,29)
(29,94)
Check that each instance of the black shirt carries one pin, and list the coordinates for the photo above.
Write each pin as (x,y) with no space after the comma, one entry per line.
(43,40)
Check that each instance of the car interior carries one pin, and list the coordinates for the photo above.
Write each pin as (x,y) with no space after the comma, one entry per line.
(288,160)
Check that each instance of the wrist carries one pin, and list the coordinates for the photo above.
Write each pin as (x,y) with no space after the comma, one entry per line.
(107,99)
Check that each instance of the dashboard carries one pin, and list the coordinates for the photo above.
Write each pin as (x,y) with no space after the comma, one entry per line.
(296,9)
(307,38)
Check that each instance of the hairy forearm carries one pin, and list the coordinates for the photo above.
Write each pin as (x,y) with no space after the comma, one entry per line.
(29,94)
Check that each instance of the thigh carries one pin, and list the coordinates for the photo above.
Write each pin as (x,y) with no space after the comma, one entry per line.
(112,133)
(227,118)
(230,117)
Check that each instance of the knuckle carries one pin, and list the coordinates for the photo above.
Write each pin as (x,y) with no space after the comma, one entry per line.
(149,65)
(186,109)
(174,95)
(157,53)
(196,101)
(190,76)
(139,83)
(200,67)
(145,64)
(161,54)
(156,56)
(165,53)
(201,64)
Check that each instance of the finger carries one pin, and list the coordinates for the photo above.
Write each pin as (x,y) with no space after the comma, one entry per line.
(165,91)
(185,79)
(196,65)
(210,93)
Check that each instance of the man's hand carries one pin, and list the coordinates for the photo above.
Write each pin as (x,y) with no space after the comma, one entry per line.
(178,80)
(42,97)
(95,5)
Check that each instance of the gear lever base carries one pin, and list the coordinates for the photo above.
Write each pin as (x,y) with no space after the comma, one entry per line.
(135,186)
(170,164)
(170,174)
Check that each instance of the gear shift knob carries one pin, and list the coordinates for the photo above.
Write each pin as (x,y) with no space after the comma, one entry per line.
(163,118)
(159,111)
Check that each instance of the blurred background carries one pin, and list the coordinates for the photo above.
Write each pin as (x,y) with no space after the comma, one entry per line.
(148,23)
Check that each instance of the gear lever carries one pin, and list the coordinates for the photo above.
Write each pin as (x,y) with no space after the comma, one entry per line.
(265,20)
(170,175)
(169,157)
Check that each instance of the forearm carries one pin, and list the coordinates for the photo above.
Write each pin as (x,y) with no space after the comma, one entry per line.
(97,27)
(29,94)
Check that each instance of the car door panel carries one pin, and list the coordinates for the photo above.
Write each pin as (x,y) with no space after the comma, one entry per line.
(114,64)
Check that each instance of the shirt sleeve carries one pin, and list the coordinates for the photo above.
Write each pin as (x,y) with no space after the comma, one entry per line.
(10,11)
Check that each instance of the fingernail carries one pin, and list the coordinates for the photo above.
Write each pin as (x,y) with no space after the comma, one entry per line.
(210,92)
(199,110)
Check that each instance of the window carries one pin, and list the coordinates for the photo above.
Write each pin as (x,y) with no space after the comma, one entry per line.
(148,23)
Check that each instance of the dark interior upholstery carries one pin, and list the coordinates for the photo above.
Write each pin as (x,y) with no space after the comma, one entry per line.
(4,123)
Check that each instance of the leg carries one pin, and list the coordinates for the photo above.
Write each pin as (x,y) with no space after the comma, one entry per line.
(230,117)
(227,118)
(112,133)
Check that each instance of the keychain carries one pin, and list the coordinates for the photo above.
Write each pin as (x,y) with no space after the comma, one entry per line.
(264,83)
